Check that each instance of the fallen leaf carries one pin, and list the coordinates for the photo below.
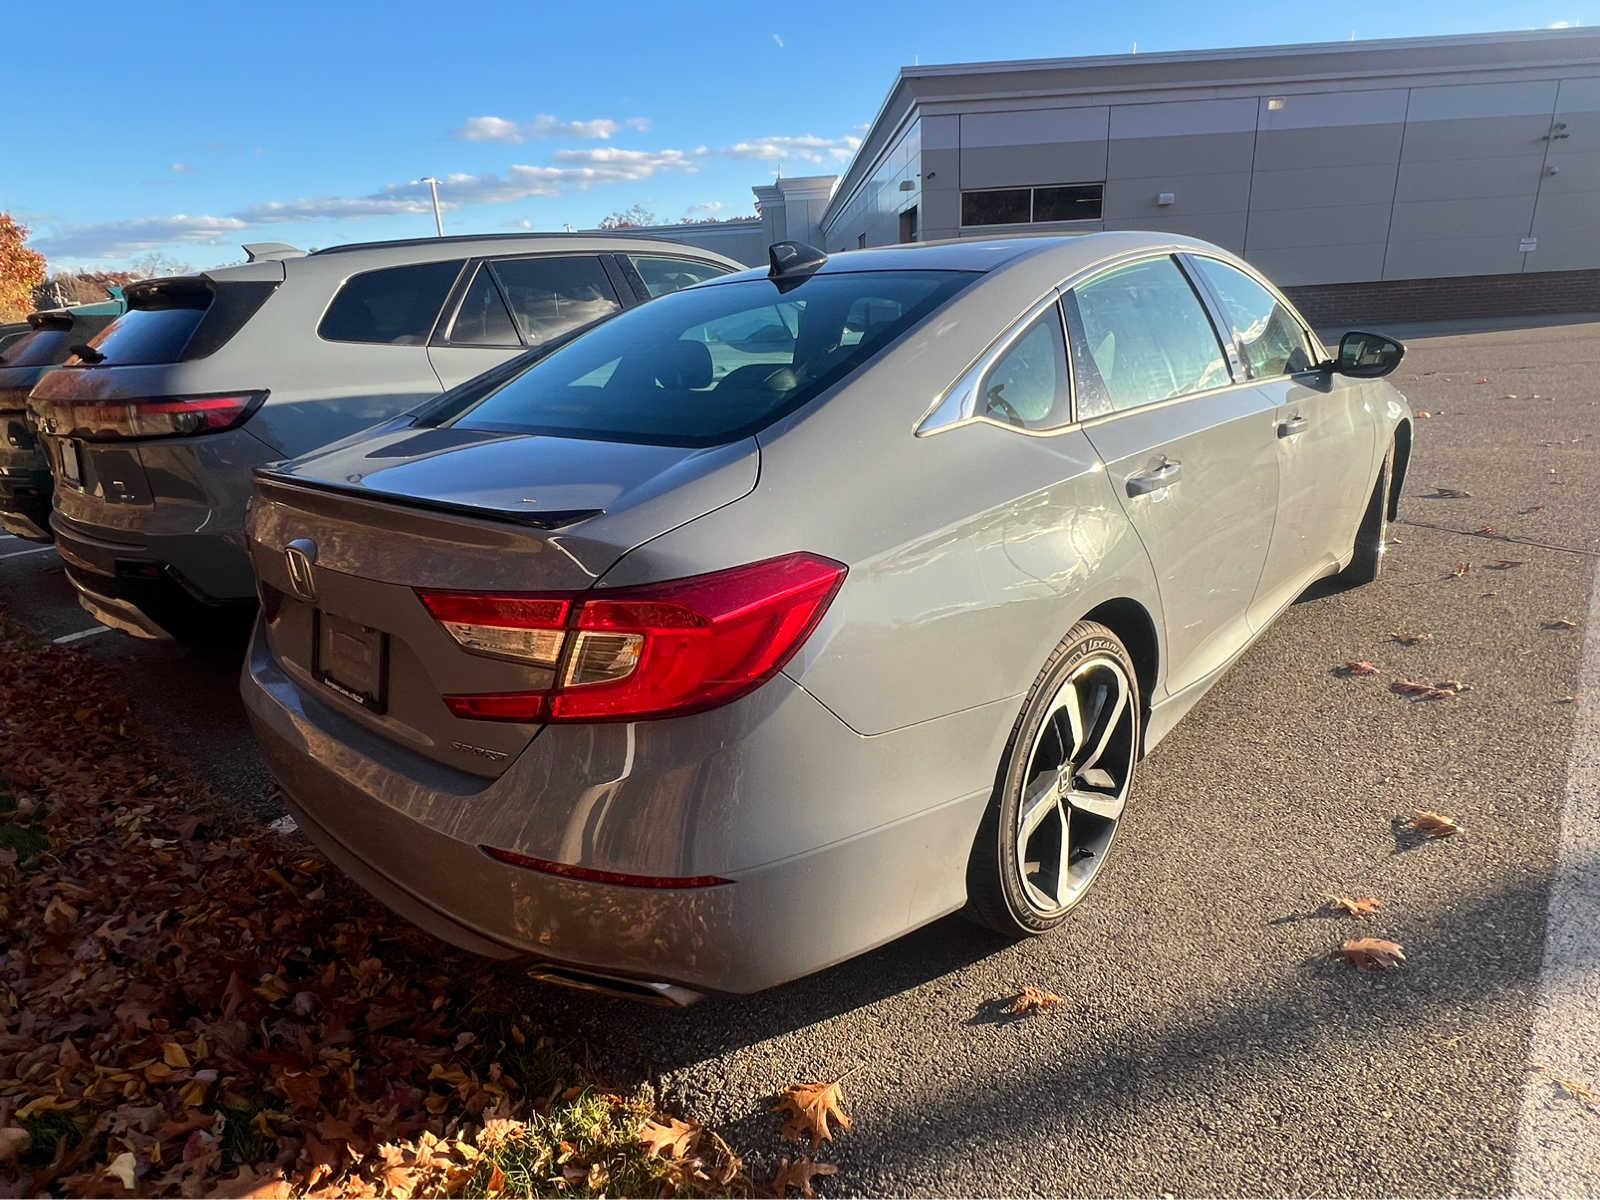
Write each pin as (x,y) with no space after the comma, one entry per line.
(1574,1089)
(1410,639)
(121,1168)
(1454,686)
(1560,623)
(1486,530)
(1571,699)
(1361,667)
(1463,569)
(810,1107)
(1435,825)
(497,1182)
(1523,512)
(1481,379)
(1423,414)
(799,1174)
(1032,1000)
(1418,692)
(1356,906)
(1440,492)
(669,1140)
(1373,954)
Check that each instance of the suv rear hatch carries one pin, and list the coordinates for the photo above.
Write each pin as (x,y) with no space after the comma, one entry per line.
(345,541)
(124,389)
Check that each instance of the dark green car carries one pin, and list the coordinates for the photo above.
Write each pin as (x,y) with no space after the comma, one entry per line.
(25,481)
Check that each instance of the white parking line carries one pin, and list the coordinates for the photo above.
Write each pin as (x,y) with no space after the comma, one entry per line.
(1557,1152)
(94,631)
(21,553)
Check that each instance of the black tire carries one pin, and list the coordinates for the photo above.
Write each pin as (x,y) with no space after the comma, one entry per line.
(997,890)
(1366,564)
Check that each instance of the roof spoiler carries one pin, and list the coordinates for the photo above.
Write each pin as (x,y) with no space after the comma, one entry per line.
(264,251)
(792,263)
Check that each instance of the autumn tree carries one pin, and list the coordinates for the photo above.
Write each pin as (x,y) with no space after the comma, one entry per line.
(21,270)
(634,217)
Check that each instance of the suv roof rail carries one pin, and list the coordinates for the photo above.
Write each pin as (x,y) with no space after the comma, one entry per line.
(263,251)
(640,234)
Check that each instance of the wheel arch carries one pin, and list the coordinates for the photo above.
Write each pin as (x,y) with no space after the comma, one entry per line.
(1402,459)
(1136,629)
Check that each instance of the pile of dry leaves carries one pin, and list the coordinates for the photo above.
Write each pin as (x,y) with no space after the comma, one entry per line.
(190,1011)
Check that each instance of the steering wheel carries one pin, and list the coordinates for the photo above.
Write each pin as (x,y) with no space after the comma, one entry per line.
(998,403)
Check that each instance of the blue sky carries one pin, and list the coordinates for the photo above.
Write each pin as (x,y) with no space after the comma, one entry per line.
(190,128)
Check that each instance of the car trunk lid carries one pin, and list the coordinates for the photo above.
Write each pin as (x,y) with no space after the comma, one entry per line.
(343,539)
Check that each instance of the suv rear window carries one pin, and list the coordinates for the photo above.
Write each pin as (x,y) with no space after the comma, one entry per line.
(395,306)
(37,348)
(157,326)
(711,364)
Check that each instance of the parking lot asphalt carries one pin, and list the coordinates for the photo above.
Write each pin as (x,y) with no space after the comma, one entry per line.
(1209,1043)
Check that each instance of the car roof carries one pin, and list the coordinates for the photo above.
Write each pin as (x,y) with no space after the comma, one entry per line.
(1067,252)
(366,256)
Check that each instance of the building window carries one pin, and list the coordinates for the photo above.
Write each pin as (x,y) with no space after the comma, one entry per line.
(1020,206)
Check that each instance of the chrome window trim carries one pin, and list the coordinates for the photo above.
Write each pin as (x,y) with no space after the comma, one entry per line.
(956,406)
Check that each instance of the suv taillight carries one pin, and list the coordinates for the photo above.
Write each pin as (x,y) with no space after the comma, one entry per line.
(166,416)
(635,653)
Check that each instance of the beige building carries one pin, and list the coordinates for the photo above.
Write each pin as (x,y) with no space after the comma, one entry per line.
(1335,164)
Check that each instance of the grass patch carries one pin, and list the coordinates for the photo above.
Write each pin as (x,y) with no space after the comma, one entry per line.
(243,1141)
(585,1146)
(46,1131)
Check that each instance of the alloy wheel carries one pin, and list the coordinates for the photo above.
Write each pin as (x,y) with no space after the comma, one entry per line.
(1080,765)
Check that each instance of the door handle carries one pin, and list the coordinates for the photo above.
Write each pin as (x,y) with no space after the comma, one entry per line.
(1158,480)
(1295,424)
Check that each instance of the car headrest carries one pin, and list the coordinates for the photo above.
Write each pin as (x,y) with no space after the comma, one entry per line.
(686,365)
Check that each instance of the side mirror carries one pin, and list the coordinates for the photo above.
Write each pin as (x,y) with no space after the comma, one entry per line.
(1368,355)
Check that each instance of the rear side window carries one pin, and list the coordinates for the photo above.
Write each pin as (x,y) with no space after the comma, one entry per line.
(1027,386)
(395,306)
(713,364)
(37,348)
(663,275)
(549,296)
(1139,335)
(1270,337)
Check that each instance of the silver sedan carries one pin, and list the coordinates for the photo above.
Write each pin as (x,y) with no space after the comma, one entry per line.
(790,612)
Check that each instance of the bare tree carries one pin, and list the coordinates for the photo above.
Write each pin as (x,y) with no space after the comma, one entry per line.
(155,265)
(636,216)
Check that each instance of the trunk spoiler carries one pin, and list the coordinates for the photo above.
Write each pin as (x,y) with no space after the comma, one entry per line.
(556,519)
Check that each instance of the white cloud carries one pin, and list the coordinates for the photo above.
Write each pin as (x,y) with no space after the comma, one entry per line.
(1561,25)
(180,168)
(706,208)
(807,147)
(779,40)
(501,129)
(122,239)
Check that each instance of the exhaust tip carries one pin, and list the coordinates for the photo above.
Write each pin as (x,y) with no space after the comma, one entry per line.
(641,991)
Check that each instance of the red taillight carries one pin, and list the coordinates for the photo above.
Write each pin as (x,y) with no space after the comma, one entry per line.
(590,875)
(177,416)
(640,652)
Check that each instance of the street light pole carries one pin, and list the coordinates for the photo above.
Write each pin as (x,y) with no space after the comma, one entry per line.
(433,188)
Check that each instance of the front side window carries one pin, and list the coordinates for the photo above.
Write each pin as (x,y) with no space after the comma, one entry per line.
(708,365)
(550,296)
(1271,339)
(663,275)
(394,306)
(1139,335)
(1027,385)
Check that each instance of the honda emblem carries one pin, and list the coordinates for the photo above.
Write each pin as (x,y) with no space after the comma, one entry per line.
(298,556)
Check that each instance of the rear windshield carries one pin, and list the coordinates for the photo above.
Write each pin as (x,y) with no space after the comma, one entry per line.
(156,329)
(37,348)
(712,364)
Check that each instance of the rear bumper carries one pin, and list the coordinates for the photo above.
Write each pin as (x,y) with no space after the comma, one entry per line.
(411,831)
(25,485)
(154,587)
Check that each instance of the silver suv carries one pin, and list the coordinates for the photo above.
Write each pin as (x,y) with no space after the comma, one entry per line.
(153,429)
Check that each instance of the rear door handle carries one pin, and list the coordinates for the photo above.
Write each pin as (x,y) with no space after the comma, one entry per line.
(1295,424)
(1158,480)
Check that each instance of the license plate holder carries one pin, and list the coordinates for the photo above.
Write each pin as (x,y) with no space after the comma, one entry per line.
(71,463)
(352,659)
